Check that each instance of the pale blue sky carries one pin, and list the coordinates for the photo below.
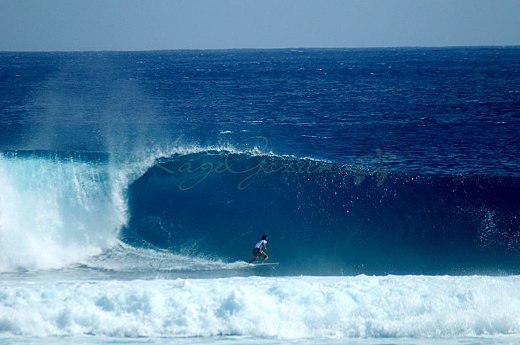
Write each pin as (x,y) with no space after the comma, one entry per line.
(36,25)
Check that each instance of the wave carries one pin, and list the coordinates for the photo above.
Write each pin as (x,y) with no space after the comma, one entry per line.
(326,218)
(290,308)
(200,209)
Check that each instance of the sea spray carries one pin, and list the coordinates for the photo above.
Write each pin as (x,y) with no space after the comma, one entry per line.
(53,212)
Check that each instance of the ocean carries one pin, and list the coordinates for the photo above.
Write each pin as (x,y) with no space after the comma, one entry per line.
(133,186)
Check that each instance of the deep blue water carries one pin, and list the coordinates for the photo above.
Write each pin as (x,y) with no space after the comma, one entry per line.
(434,110)
(121,166)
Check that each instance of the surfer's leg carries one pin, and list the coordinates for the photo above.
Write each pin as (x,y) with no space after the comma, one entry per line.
(255,256)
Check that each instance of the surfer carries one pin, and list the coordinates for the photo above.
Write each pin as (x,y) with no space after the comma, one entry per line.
(259,250)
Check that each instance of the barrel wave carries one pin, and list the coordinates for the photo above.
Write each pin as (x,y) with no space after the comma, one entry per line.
(204,209)
(326,218)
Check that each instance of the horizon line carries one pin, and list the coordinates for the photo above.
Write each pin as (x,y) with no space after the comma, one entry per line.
(265,49)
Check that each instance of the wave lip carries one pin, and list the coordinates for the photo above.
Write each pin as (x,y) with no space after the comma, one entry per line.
(283,308)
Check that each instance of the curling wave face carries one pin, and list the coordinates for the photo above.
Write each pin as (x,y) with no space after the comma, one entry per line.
(324,217)
(207,206)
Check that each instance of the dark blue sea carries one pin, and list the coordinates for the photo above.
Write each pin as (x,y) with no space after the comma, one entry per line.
(133,186)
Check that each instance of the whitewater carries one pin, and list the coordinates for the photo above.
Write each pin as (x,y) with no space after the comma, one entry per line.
(291,307)
(133,186)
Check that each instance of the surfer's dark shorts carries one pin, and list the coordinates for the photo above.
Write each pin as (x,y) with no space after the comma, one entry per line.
(257,253)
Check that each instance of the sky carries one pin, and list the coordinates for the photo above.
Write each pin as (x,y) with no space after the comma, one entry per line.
(71,25)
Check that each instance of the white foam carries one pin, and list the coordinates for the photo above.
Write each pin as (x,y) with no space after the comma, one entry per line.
(124,258)
(283,308)
(55,212)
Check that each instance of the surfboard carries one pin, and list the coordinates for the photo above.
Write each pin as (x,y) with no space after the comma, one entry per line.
(265,264)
